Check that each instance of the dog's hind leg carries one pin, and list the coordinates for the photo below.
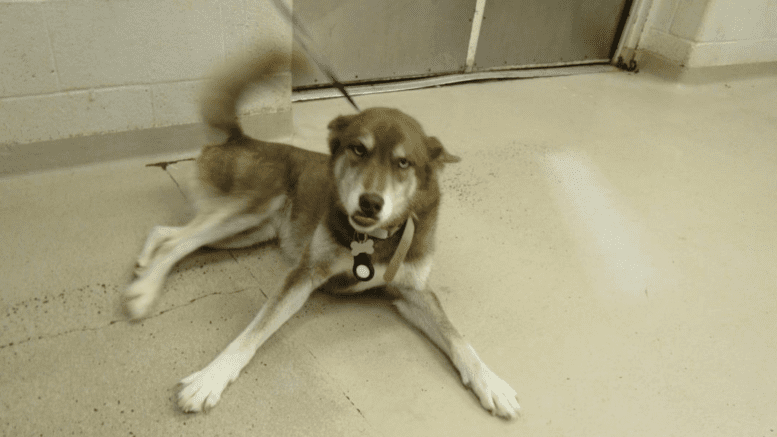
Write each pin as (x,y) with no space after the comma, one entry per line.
(247,238)
(422,309)
(203,230)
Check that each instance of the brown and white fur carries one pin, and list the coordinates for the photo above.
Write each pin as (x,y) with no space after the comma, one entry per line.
(382,170)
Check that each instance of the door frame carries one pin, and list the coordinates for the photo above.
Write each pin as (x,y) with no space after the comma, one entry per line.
(632,32)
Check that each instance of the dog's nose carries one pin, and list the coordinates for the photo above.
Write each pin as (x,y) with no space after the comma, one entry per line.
(370,204)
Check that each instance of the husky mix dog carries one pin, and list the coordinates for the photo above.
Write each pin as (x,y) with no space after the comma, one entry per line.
(362,217)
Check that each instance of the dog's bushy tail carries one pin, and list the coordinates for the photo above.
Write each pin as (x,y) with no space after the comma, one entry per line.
(228,83)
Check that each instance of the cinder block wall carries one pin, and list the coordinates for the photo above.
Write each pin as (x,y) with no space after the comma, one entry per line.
(82,67)
(712,33)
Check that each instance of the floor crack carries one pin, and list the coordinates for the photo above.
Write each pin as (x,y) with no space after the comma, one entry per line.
(176,184)
(216,293)
(232,254)
(113,322)
(354,405)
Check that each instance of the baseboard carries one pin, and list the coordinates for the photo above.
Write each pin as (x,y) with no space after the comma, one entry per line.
(657,65)
(71,152)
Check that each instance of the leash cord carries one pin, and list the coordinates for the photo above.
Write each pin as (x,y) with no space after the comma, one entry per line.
(323,65)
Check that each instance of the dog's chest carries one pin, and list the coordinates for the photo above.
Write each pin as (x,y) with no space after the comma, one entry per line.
(409,275)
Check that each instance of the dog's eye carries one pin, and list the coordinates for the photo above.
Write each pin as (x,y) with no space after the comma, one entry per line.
(358,149)
(403,163)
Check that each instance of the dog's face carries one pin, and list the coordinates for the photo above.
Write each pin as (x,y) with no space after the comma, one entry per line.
(383,165)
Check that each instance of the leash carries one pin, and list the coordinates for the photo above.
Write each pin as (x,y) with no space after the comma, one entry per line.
(320,61)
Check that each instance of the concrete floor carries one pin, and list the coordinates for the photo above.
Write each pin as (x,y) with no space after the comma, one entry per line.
(607,244)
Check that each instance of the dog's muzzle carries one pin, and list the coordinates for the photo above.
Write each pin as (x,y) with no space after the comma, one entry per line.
(370,206)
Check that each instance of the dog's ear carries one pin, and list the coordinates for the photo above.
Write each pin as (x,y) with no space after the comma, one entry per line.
(437,153)
(336,127)
(340,123)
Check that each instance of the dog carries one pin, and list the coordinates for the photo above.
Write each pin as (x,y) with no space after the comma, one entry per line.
(361,218)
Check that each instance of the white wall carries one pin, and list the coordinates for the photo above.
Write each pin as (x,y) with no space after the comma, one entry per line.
(78,67)
(708,33)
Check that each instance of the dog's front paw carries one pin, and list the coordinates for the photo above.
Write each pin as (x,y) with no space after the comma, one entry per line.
(139,297)
(202,390)
(495,395)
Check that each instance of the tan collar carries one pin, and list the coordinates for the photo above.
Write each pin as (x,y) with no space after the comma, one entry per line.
(382,234)
(379,233)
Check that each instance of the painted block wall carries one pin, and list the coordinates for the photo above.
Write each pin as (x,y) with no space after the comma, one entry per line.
(711,33)
(81,67)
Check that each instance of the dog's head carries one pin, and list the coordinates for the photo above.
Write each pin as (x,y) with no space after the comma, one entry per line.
(384,167)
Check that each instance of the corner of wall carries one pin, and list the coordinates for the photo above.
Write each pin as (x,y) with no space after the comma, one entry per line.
(694,39)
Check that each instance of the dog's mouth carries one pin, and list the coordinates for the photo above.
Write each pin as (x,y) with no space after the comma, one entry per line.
(362,221)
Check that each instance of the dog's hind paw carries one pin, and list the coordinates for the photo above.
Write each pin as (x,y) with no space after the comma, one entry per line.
(202,390)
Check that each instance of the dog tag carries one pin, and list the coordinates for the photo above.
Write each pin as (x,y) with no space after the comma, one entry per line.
(362,247)
(362,267)
(362,264)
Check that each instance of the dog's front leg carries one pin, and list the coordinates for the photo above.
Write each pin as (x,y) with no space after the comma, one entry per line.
(202,390)
(423,310)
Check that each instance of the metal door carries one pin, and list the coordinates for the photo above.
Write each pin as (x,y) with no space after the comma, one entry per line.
(373,40)
(367,40)
(547,32)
